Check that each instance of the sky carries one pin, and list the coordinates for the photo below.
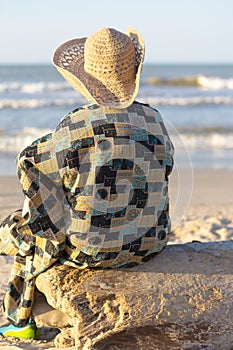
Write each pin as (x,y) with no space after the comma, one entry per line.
(175,31)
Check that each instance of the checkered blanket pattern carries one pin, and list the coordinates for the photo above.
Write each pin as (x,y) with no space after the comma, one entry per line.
(96,195)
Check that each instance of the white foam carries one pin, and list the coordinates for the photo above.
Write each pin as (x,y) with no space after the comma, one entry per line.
(222,140)
(32,88)
(37,103)
(215,83)
(199,81)
(185,101)
(156,101)
(14,143)
(210,141)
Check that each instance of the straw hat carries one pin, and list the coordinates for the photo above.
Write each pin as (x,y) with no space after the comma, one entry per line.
(105,67)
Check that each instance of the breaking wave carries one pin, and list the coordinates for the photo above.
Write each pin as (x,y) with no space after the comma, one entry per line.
(156,101)
(38,103)
(206,138)
(193,138)
(190,100)
(202,81)
(15,142)
(32,88)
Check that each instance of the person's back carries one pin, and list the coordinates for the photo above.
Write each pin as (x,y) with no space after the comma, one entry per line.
(115,176)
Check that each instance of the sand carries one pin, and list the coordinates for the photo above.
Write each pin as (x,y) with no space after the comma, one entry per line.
(208,217)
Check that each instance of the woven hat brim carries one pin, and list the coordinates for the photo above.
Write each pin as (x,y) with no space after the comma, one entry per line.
(69,60)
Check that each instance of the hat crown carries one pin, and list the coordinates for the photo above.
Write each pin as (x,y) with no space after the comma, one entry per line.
(109,53)
(105,67)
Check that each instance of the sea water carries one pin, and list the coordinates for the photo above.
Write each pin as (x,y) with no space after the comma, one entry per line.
(196,102)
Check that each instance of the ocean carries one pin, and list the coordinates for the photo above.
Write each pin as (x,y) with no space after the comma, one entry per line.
(196,102)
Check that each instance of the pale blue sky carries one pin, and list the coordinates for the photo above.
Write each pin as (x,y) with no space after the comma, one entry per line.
(174,30)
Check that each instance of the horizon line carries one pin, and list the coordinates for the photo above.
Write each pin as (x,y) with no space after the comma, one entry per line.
(145,63)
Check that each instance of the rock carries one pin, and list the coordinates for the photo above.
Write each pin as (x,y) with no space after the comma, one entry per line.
(182,297)
(44,314)
(65,339)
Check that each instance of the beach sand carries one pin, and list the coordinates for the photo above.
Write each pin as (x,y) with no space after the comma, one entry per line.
(209,217)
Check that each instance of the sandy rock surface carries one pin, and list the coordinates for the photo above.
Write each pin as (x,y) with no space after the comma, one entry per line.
(184,293)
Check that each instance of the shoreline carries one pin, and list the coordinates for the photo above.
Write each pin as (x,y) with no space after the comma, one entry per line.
(194,197)
(201,206)
(210,187)
(199,159)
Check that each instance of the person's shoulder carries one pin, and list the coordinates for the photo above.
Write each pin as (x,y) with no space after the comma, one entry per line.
(84,109)
(78,112)
(145,105)
(33,154)
(90,106)
(151,114)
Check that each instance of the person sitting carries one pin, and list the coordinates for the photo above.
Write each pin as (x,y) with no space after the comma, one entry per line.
(96,188)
